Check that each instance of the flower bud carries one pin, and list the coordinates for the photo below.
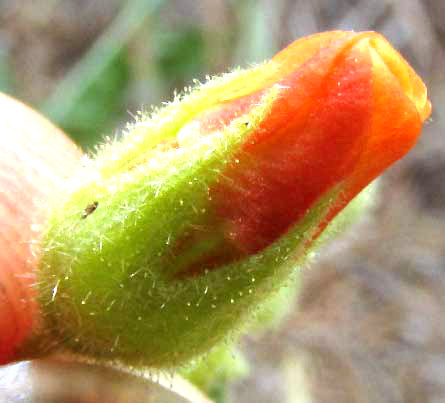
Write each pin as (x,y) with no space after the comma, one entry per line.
(168,239)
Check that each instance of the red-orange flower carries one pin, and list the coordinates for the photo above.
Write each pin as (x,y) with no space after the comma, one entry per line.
(207,206)
(348,106)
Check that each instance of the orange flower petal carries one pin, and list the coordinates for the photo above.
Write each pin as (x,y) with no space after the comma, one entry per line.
(349,106)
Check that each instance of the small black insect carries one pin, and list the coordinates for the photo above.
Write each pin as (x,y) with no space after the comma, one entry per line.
(90,209)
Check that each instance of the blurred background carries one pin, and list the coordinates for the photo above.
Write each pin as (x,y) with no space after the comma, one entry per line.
(368,325)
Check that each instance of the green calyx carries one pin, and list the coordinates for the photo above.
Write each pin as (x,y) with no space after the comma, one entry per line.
(108,281)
